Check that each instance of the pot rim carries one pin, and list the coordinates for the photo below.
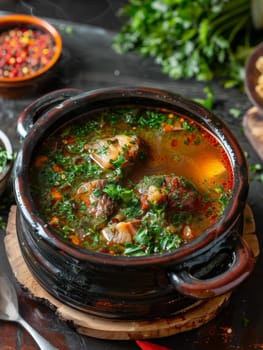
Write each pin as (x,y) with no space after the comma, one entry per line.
(171,100)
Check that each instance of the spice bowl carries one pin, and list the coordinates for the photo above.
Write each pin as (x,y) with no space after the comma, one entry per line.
(30,49)
(6,160)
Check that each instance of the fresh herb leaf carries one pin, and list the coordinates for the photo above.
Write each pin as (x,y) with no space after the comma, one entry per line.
(235,112)
(117,192)
(208,102)
(256,171)
(2,223)
(201,39)
(152,119)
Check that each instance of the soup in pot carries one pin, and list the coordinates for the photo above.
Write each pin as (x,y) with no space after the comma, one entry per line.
(131,181)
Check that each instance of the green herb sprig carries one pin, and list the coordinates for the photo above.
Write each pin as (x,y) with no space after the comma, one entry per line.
(199,39)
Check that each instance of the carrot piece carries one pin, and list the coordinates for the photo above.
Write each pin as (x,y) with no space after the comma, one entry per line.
(40,160)
(56,194)
(167,127)
(75,239)
(144,206)
(57,168)
(54,221)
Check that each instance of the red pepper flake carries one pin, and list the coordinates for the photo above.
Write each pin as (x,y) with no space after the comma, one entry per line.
(174,143)
(24,51)
(226,333)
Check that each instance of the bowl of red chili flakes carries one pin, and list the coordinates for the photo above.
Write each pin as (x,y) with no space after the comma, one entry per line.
(30,48)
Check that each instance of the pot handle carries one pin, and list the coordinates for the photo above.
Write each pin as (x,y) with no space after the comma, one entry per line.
(242,265)
(36,109)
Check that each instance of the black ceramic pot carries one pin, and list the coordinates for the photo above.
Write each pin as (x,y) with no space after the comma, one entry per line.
(129,287)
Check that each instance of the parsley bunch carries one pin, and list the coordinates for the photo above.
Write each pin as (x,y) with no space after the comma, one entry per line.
(199,39)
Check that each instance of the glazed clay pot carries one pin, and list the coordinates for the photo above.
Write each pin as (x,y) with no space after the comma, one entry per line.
(129,287)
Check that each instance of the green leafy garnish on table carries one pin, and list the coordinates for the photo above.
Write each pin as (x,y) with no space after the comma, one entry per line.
(209,100)
(200,39)
(235,112)
(2,223)
(256,172)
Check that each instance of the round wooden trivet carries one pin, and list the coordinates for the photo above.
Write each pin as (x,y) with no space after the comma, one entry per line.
(187,319)
(253,129)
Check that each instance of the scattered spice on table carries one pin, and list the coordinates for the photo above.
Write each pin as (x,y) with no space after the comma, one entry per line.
(24,51)
(145,345)
(226,334)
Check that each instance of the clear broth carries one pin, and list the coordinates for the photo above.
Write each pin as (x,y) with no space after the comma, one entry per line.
(170,145)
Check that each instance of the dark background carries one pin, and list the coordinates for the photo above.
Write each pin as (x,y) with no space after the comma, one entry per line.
(103,13)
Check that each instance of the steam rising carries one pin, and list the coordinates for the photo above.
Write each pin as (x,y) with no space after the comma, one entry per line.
(56,11)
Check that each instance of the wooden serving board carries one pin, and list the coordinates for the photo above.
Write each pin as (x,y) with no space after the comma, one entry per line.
(253,129)
(192,317)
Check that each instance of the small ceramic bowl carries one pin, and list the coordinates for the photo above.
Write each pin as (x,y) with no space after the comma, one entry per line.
(5,174)
(254,77)
(30,49)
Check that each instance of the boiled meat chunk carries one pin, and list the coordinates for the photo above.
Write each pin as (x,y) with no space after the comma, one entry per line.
(182,195)
(122,148)
(122,232)
(98,204)
(172,191)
